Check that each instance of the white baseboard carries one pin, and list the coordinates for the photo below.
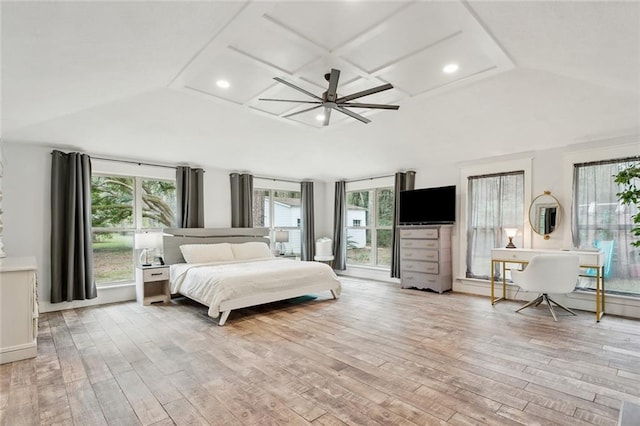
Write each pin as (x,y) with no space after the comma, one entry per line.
(369,273)
(625,306)
(106,294)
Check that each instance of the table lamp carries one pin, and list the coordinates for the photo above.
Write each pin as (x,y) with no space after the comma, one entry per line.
(511,233)
(147,241)
(281,238)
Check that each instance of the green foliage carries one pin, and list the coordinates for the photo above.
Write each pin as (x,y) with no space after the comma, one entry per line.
(358,199)
(384,237)
(156,209)
(385,207)
(351,244)
(112,201)
(629,178)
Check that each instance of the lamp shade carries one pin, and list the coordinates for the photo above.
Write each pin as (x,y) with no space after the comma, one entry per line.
(511,232)
(148,240)
(282,236)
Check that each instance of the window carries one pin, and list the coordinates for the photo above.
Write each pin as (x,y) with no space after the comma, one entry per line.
(120,206)
(278,210)
(369,237)
(600,220)
(494,202)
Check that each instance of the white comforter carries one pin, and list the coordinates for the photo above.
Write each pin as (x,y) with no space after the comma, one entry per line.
(212,284)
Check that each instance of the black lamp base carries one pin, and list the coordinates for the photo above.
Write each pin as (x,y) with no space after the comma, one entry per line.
(510,245)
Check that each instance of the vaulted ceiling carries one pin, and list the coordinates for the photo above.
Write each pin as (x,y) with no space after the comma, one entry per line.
(138,80)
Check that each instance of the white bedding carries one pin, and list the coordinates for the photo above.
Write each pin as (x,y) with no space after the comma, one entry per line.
(212,284)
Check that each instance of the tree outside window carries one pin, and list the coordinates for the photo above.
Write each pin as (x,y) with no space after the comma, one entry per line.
(120,206)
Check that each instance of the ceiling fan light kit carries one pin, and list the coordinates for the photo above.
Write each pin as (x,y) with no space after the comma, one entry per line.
(330,100)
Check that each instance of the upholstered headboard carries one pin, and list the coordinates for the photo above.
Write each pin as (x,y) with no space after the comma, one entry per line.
(175,237)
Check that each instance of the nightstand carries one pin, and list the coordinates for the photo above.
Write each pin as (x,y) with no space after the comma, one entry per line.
(152,284)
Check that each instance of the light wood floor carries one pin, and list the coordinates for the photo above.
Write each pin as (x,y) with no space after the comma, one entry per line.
(378,355)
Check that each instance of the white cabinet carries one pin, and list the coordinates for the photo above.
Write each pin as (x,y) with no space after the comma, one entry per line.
(18,309)
(152,284)
(425,257)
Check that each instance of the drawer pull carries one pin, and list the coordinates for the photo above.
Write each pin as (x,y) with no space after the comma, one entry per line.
(155,274)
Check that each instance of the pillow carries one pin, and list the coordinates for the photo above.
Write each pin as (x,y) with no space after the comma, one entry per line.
(205,253)
(249,251)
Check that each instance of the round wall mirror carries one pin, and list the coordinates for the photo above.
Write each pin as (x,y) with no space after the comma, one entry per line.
(544,214)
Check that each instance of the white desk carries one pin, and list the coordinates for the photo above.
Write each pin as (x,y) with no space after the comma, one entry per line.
(588,259)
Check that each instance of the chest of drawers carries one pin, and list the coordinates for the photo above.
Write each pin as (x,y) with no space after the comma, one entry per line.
(18,309)
(425,257)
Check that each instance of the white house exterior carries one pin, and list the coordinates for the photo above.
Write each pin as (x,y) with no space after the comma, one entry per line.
(356,218)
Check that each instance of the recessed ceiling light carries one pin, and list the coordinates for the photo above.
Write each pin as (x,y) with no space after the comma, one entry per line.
(450,69)
(320,117)
(223,84)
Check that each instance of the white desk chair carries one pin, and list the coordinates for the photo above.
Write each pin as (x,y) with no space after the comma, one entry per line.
(548,273)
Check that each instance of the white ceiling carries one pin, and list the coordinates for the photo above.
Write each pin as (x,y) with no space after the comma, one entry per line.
(137,80)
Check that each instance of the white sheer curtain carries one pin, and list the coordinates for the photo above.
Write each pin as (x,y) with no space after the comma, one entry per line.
(600,220)
(494,202)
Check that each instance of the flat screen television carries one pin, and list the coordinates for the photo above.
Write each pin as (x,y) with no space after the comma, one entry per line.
(428,206)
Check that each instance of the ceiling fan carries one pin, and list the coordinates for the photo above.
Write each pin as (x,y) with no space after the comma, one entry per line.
(330,100)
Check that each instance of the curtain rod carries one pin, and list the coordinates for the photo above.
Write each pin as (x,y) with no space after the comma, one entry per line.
(604,162)
(139,163)
(490,175)
(277,179)
(369,178)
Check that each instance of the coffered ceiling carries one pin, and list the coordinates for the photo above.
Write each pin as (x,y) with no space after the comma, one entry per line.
(138,80)
(370,43)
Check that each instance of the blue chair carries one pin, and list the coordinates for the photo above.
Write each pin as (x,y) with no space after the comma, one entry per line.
(607,247)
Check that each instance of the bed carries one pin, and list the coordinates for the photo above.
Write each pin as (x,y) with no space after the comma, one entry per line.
(227,269)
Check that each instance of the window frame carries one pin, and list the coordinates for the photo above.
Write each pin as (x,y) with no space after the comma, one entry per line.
(618,255)
(139,172)
(500,226)
(372,225)
(271,186)
(481,168)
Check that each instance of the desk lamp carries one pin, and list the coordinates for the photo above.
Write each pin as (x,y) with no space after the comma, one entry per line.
(511,233)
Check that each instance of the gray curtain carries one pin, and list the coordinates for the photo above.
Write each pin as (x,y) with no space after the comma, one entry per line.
(307,232)
(190,193)
(71,246)
(241,200)
(340,227)
(403,181)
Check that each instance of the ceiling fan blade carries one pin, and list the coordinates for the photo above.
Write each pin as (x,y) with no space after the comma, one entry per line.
(333,85)
(327,116)
(289,100)
(372,106)
(299,89)
(365,93)
(353,114)
(302,111)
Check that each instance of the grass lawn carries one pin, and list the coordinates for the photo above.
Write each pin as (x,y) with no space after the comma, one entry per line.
(362,256)
(113,259)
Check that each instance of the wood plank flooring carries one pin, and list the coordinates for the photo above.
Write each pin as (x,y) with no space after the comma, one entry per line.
(378,355)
